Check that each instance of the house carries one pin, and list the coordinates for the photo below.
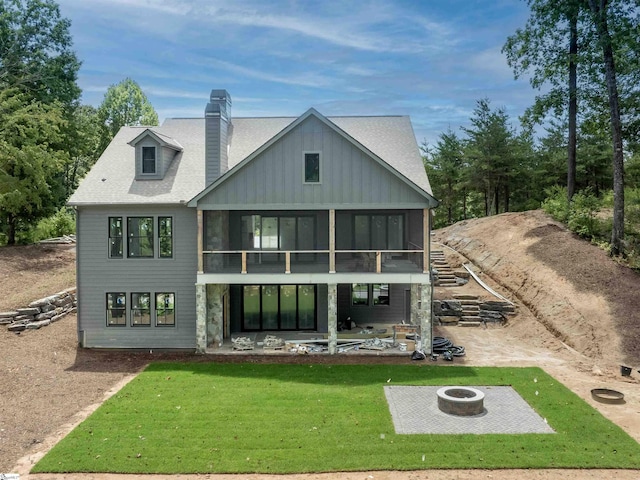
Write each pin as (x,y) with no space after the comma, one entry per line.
(206,227)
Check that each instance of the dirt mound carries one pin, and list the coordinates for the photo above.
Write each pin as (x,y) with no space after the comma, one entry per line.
(580,295)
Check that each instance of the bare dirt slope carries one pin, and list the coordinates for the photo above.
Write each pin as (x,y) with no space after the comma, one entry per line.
(580,324)
(574,288)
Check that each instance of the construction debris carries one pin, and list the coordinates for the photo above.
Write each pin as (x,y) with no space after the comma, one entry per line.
(271,342)
(243,343)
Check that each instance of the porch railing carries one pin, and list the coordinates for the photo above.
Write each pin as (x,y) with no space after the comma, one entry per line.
(311,261)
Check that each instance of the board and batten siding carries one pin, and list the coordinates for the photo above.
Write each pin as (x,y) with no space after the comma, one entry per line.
(97,275)
(349,178)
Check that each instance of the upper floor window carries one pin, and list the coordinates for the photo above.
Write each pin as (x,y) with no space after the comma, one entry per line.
(115,237)
(165,234)
(140,237)
(312,167)
(149,160)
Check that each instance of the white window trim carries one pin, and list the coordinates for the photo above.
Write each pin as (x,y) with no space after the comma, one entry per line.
(304,167)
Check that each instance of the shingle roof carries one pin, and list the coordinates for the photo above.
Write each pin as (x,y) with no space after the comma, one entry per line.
(112,179)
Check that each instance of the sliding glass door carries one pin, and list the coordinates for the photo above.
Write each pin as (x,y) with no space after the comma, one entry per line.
(279,307)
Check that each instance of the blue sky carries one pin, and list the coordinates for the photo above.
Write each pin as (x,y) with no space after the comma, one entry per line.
(430,59)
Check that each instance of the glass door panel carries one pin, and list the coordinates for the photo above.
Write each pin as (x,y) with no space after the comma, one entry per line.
(269,233)
(288,307)
(251,307)
(306,307)
(269,307)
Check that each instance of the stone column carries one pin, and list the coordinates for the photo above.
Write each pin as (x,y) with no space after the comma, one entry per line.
(201,318)
(215,318)
(425,318)
(421,314)
(415,304)
(332,301)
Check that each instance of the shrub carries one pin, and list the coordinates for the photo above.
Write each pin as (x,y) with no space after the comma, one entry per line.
(583,218)
(63,222)
(556,203)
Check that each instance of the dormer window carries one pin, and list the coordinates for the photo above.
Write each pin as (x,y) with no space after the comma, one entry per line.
(149,160)
(154,153)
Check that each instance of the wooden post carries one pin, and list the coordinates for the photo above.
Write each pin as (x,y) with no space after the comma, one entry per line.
(287,262)
(426,242)
(200,242)
(378,262)
(332,241)
(244,261)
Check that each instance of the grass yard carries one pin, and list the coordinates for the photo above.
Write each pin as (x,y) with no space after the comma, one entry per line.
(240,418)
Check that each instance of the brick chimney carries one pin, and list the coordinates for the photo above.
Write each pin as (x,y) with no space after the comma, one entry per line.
(217,119)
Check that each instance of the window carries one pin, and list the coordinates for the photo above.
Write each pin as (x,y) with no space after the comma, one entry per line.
(140,236)
(140,309)
(149,160)
(115,237)
(165,234)
(279,307)
(378,292)
(312,168)
(116,309)
(165,309)
(360,294)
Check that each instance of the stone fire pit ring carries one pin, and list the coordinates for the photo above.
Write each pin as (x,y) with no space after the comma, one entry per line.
(461,401)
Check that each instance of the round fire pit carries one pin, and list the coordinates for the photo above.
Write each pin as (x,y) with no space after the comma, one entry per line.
(463,401)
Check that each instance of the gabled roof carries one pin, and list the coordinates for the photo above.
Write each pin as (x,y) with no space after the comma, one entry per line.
(162,139)
(400,146)
(388,139)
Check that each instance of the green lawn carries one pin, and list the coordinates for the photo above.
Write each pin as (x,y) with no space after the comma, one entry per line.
(226,418)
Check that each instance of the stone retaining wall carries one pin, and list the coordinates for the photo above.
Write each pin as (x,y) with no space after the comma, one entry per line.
(41,312)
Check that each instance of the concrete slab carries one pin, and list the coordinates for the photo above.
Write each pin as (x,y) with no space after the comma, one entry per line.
(414,410)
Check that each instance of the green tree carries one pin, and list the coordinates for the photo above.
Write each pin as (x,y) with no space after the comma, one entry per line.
(35,51)
(83,146)
(600,11)
(124,104)
(28,129)
(445,165)
(490,150)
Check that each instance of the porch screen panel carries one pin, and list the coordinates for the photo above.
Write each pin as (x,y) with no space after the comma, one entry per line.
(288,307)
(306,307)
(306,238)
(396,230)
(379,232)
(287,233)
(361,231)
(269,307)
(251,307)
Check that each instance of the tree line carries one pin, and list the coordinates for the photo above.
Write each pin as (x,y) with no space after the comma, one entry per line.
(48,139)
(582,58)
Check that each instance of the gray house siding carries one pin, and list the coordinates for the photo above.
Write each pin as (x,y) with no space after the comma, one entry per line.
(98,275)
(349,177)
